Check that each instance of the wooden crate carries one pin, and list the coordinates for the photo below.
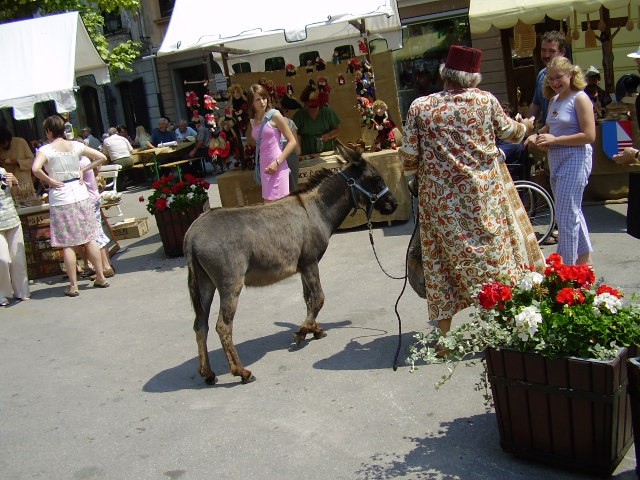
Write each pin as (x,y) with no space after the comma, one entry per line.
(570,412)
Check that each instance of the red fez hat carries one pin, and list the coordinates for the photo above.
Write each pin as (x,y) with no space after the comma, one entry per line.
(464,59)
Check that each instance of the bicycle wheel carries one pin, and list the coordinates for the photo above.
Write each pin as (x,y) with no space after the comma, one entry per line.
(539,207)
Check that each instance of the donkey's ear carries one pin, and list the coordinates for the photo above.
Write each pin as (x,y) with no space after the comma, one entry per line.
(349,154)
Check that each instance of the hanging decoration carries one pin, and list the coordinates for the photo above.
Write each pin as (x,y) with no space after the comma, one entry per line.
(524,39)
(576,28)
(589,36)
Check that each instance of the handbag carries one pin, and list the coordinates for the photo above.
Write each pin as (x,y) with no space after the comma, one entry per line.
(267,117)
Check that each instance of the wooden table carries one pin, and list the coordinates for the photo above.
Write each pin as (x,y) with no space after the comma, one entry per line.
(238,187)
(151,156)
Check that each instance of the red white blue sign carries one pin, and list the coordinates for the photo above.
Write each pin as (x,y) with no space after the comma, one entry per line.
(616,136)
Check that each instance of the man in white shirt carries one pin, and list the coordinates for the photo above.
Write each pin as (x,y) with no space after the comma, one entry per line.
(183,131)
(118,149)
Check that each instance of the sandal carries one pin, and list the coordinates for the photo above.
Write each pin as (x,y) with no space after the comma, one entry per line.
(552,239)
(71,292)
(87,272)
(105,284)
(4,302)
(110,272)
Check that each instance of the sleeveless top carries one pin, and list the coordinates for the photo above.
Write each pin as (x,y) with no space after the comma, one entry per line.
(8,215)
(562,117)
(65,167)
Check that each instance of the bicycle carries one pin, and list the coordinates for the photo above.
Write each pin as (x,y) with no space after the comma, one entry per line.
(537,202)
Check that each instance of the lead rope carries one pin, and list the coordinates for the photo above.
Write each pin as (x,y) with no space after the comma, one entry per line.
(405,277)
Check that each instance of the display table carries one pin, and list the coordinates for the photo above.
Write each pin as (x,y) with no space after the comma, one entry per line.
(152,156)
(238,188)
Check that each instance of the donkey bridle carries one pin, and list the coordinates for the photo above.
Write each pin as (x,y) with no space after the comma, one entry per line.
(373,197)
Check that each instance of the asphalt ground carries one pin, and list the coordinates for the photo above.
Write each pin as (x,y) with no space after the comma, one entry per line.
(104,386)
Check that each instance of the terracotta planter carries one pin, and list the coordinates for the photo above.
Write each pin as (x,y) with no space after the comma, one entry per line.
(173,225)
(568,412)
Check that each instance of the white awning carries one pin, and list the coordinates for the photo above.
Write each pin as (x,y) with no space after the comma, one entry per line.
(260,27)
(485,13)
(41,58)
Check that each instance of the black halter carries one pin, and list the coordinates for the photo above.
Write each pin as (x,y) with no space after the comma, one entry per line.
(373,197)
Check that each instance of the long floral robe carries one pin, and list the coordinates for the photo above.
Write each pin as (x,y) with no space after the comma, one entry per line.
(473,228)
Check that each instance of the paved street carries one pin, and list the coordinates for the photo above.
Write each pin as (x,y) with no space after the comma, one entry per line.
(104,386)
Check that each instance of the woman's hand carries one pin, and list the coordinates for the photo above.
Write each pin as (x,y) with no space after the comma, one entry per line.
(11,179)
(55,184)
(545,140)
(272,167)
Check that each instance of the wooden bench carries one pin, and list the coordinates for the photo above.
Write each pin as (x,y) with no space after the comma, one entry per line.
(178,163)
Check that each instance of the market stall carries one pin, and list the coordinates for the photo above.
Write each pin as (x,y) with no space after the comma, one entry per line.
(238,188)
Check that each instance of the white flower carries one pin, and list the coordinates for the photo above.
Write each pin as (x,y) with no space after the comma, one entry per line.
(190,195)
(608,301)
(169,201)
(527,322)
(529,279)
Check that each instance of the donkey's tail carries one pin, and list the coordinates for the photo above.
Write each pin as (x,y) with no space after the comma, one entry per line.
(196,277)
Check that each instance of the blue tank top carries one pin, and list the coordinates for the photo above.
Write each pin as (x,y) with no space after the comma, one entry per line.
(563,117)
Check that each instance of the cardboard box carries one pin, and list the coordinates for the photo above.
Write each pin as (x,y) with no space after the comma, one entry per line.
(130,228)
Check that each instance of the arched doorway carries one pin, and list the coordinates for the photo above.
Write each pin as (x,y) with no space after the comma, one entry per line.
(91,106)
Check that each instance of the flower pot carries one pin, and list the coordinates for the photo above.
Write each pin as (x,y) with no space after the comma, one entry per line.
(173,225)
(633,371)
(569,412)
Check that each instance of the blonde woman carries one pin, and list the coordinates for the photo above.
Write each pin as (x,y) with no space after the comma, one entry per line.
(567,135)
(143,138)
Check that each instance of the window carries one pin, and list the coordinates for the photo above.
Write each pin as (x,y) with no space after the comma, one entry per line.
(273,64)
(306,56)
(242,67)
(345,52)
(425,47)
(112,22)
(166,7)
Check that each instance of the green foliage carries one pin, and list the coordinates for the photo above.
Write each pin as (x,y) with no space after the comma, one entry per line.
(562,313)
(118,58)
(171,193)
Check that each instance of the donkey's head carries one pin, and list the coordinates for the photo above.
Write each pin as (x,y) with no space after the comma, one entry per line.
(366,184)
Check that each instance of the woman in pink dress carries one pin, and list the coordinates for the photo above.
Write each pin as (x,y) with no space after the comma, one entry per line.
(267,128)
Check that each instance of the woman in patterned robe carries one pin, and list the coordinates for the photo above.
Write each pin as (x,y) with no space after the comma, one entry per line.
(473,228)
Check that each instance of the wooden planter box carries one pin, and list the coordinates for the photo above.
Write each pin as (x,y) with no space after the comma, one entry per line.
(172,227)
(570,412)
(633,370)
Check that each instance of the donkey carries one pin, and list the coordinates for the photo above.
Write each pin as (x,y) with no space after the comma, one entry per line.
(263,244)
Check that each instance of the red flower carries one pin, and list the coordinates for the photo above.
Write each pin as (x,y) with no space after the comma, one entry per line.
(166,190)
(607,289)
(494,295)
(570,296)
(161,204)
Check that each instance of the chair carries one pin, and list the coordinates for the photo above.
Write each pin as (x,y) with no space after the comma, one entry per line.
(110,187)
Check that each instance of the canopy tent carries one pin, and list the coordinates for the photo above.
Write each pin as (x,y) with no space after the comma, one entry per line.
(36,70)
(210,25)
(486,13)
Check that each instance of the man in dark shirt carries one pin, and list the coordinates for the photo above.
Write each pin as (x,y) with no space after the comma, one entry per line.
(162,134)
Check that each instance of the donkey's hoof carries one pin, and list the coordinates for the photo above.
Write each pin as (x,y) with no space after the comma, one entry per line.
(319,335)
(249,379)
(299,338)
(211,380)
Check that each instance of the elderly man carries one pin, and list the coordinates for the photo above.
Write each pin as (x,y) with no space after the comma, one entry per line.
(89,139)
(118,149)
(162,134)
(183,131)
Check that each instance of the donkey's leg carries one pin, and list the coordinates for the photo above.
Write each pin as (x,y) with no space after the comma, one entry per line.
(224,327)
(202,306)
(314,298)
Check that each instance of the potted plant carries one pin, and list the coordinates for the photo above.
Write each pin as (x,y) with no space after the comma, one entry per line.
(555,357)
(176,204)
